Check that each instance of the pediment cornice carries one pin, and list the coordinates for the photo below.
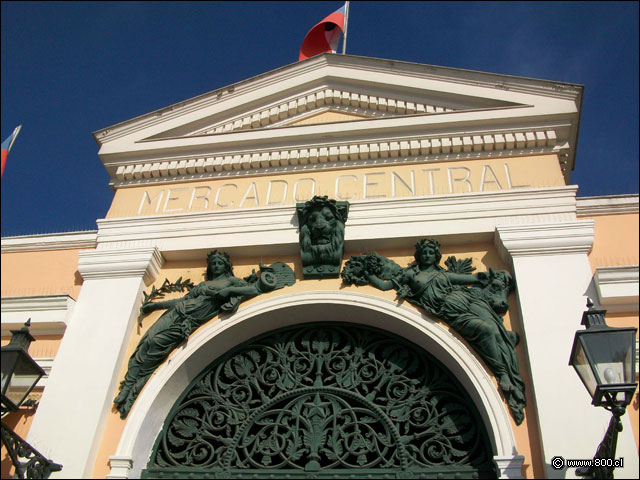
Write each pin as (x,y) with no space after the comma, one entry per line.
(389,103)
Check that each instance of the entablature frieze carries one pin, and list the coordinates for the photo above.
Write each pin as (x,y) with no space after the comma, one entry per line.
(372,224)
(327,156)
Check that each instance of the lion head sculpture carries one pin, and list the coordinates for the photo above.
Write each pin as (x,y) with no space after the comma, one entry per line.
(321,236)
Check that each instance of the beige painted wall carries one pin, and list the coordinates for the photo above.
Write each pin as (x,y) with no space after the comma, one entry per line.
(45,346)
(45,272)
(616,241)
(372,182)
(327,117)
(483,255)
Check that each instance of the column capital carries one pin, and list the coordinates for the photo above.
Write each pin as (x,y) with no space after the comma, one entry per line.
(142,262)
(539,239)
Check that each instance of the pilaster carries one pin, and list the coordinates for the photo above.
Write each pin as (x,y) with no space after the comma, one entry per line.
(552,275)
(69,423)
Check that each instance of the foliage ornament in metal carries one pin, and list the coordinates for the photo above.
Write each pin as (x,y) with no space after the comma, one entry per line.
(474,312)
(220,293)
(321,222)
(321,401)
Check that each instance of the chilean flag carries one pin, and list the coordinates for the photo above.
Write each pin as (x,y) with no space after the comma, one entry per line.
(324,36)
(6,146)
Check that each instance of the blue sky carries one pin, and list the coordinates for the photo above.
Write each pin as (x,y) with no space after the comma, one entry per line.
(69,69)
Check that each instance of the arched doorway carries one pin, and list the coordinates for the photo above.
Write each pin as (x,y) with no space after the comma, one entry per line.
(326,400)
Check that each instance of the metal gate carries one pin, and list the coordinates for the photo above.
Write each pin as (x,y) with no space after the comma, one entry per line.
(323,400)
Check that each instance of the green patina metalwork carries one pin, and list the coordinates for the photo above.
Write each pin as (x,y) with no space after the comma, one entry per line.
(475,313)
(221,292)
(321,236)
(323,401)
(157,293)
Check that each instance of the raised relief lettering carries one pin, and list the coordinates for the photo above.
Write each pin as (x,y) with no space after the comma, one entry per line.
(485,181)
(251,194)
(368,184)
(397,178)
(202,196)
(219,192)
(463,179)
(346,191)
(150,200)
(169,198)
(271,189)
(431,171)
(305,195)
(509,182)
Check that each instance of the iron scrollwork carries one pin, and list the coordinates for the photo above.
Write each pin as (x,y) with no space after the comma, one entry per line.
(34,465)
(321,399)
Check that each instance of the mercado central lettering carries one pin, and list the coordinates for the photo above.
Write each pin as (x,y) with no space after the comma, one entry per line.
(357,184)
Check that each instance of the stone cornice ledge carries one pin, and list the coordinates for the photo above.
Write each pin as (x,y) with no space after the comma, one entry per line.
(618,288)
(53,241)
(36,303)
(607,205)
(48,313)
(369,220)
(131,262)
(544,239)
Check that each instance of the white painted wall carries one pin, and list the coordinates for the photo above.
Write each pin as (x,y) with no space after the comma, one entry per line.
(552,275)
(168,383)
(69,423)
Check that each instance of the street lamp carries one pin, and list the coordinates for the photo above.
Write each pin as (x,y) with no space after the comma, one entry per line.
(20,373)
(604,358)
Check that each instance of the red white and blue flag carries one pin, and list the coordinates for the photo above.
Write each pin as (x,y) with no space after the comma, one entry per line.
(6,146)
(324,36)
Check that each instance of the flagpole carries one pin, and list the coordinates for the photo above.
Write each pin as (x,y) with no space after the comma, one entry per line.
(16,131)
(346,24)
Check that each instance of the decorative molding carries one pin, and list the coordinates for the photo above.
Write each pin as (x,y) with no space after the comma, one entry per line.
(372,223)
(607,205)
(292,109)
(131,262)
(120,466)
(46,364)
(359,70)
(399,150)
(216,338)
(618,288)
(543,239)
(509,466)
(52,241)
(49,313)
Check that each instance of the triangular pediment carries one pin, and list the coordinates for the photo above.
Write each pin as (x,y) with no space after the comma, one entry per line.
(330,97)
(326,105)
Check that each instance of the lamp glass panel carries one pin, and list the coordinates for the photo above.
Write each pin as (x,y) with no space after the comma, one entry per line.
(610,352)
(8,361)
(25,376)
(581,364)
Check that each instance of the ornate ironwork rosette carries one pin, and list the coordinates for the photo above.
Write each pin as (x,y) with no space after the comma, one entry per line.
(322,400)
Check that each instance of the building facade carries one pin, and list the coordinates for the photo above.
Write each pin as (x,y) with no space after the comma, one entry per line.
(478,162)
